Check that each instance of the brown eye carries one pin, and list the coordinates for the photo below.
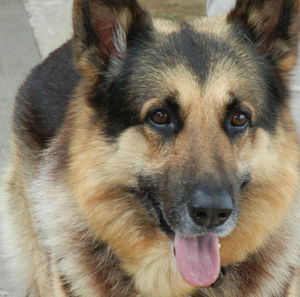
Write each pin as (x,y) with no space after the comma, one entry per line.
(160,117)
(239,119)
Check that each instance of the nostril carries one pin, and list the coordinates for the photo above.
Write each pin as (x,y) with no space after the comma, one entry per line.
(223,216)
(244,185)
(201,215)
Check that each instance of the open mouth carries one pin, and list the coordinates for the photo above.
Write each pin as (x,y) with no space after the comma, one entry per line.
(197,257)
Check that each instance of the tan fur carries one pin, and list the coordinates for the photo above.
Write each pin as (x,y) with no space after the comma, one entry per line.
(149,261)
(213,25)
(293,292)
(165,26)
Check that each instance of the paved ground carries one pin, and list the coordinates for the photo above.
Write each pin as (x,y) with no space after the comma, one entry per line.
(19,52)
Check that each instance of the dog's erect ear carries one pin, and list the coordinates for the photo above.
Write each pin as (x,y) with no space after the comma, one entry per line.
(273,26)
(103,29)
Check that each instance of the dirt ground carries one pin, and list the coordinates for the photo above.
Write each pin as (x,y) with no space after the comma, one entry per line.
(176,10)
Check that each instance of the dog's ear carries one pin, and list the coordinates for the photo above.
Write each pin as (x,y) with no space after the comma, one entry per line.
(103,29)
(272,26)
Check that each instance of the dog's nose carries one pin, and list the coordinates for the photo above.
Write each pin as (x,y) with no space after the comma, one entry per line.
(210,210)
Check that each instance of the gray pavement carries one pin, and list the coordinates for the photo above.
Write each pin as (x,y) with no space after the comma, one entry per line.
(18,54)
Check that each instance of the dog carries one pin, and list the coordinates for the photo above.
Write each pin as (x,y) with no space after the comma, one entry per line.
(158,159)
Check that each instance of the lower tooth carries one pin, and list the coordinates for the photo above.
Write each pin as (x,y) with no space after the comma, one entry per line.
(219,245)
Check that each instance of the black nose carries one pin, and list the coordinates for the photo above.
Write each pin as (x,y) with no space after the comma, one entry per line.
(210,210)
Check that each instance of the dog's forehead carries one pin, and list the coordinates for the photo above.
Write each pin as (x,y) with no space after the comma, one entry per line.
(204,47)
(206,64)
(203,59)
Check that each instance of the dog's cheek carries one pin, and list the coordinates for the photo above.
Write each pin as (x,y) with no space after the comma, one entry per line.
(266,200)
(117,217)
(140,152)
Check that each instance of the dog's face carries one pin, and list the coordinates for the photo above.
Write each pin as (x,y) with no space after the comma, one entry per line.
(184,129)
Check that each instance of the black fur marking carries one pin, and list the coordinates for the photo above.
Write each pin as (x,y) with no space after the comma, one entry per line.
(274,101)
(199,51)
(43,99)
(90,36)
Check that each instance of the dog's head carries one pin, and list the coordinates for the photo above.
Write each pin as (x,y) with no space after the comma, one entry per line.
(183,132)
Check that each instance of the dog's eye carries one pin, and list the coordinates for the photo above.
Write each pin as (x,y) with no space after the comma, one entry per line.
(164,119)
(239,120)
(160,117)
(236,122)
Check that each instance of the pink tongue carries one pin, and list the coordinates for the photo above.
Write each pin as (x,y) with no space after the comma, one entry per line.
(198,259)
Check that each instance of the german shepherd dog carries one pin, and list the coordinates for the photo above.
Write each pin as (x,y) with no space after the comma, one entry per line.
(158,159)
